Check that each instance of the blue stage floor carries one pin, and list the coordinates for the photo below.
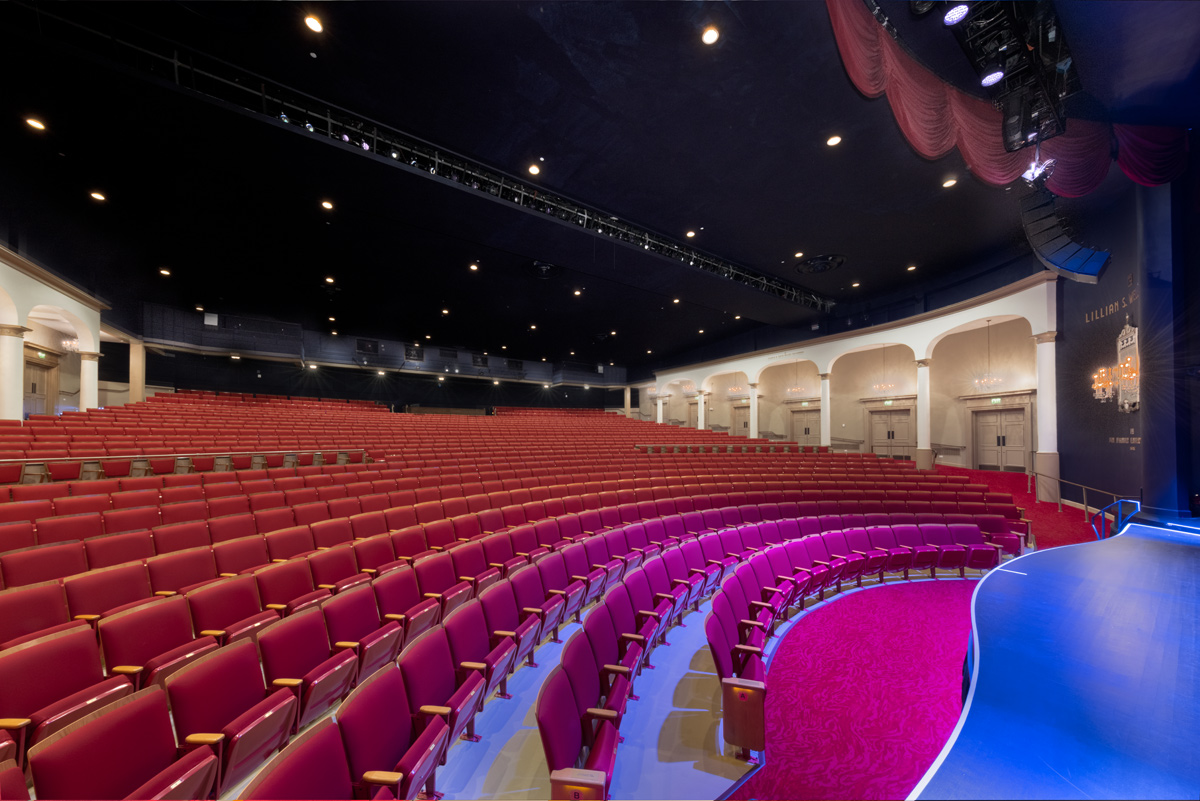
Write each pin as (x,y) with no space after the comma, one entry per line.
(1086,676)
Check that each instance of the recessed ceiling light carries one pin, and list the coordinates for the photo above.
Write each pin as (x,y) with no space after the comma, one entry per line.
(585,386)
(572,353)
(691,234)
(534,169)
(701,330)
(329,279)
(833,140)
(199,308)
(676,300)
(912,267)
(32,123)
(612,333)
(710,35)
(429,336)
(325,204)
(474,267)
(497,383)
(441,378)
(611,364)
(97,196)
(949,182)
(313,24)
(533,327)
(799,254)
(312,367)
(577,292)
(545,386)
(649,351)
(737,316)
(234,356)
(331,319)
(334,333)
(855,285)
(164,271)
(543,358)
(504,347)
(445,311)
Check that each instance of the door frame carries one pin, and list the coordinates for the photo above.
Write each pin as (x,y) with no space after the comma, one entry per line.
(50,362)
(893,403)
(1012,400)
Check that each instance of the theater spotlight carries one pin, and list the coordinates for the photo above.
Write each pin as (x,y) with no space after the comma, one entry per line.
(992,74)
(956,13)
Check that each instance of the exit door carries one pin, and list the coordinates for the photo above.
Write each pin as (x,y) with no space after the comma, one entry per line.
(891,434)
(741,421)
(1000,440)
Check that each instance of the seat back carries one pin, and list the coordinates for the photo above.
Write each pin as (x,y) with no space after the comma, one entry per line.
(42,563)
(97,591)
(295,645)
(214,690)
(181,569)
(116,549)
(313,765)
(428,669)
(286,543)
(217,606)
(69,527)
(467,633)
(64,663)
(558,721)
(351,615)
(236,556)
(376,721)
(31,609)
(171,537)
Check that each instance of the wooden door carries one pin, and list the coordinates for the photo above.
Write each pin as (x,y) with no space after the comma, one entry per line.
(1000,440)
(891,433)
(37,380)
(741,421)
(806,427)
(693,415)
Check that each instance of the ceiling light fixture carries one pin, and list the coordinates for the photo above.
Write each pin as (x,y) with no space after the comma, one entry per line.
(676,300)
(949,182)
(912,267)
(313,24)
(329,279)
(496,383)
(854,285)
(199,308)
(474,267)
(34,123)
(799,254)
(234,356)
(710,35)
(533,327)
(955,14)
(429,336)
(577,292)
(737,316)
(164,271)
(701,330)
(612,333)
(312,367)
(445,311)
(331,319)
(534,169)
(334,333)
(441,378)
(380,372)
(98,196)
(325,204)
(545,386)
(690,234)
(649,351)
(833,140)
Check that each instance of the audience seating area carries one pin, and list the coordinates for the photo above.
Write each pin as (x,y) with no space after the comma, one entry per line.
(423,586)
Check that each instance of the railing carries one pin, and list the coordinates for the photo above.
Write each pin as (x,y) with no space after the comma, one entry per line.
(1106,526)
(1030,475)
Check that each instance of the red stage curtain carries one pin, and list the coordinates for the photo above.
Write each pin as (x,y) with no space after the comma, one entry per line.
(935,117)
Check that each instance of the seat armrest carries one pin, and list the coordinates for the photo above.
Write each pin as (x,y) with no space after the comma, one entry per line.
(397,618)
(745,684)
(12,724)
(431,710)
(382,778)
(750,649)
(753,624)
(523,554)
(370,571)
(289,683)
(678,582)
(534,610)
(87,618)
(558,592)
(276,607)
(126,670)
(860,553)
(217,633)
(774,590)
(602,714)
(353,646)
(618,669)
(468,579)
(584,579)
(498,565)
(169,593)
(822,564)
(437,596)
(277,561)
(330,587)
(695,571)
(664,596)
(715,562)
(760,605)
(480,666)
(650,614)
(501,634)
(204,739)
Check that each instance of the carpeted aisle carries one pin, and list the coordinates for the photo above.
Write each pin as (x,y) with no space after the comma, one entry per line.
(1050,526)
(864,692)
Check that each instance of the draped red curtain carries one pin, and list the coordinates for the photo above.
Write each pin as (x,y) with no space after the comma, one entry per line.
(935,117)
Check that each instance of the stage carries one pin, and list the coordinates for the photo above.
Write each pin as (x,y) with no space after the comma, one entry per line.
(1086,675)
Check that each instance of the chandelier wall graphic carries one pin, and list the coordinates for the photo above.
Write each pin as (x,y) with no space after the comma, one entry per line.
(1121,382)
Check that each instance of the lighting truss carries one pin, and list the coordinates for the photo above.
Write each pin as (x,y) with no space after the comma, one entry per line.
(227,84)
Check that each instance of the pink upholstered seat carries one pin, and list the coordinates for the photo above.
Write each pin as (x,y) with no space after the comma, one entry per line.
(436,689)
(353,622)
(562,741)
(288,587)
(313,766)
(398,596)
(473,649)
(149,643)
(297,654)
(506,619)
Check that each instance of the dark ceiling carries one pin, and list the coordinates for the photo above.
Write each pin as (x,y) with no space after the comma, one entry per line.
(631,113)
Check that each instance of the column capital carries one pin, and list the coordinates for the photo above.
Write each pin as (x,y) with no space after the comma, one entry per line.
(1046,336)
(923,362)
(823,376)
(752,386)
(17,331)
(88,356)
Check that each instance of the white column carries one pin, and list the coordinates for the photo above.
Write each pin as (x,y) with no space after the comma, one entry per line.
(1045,460)
(627,397)
(924,454)
(826,412)
(660,407)
(753,410)
(12,371)
(137,372)
(89,380)
(701,402)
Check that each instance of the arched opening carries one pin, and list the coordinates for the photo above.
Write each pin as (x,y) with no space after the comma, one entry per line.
(873,393)
(790,402)
(52,369)
(728,401)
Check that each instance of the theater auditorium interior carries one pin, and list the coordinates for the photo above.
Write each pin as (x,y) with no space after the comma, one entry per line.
(599,400)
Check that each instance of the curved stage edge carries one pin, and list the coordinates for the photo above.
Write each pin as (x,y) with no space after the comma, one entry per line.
(1086,680)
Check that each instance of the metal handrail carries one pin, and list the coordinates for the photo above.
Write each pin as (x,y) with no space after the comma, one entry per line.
(1121,517)
(1087,511)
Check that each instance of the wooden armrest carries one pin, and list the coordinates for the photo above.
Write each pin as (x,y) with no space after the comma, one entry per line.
(218,633)
(480,666)
(169,593)
(126,670)
(760,604)
(753,624)
(638,550)
(678,582)
(437,548)
(470,579)
(370,571)
(715,562)
(290,683)
(823,564)
(647,613)
(277,561)
(437,596)
(860,553)
(775,590)
(329,587)
(222,575)
(784,578)
(462,539)
(745,684)
(431,709)
(502,634)
(558,592)
(276,607)
(598,566)
(88,618)
(619,669)
(496,565)
(997,546)
(204,739)
(750,649)
(634,637)
(353,646)
(603,714)
(665,595)
(695,571)
(406,559)
(14,723)
(522,554)
(382,778)
(534,610)
(584,579)
(395,617)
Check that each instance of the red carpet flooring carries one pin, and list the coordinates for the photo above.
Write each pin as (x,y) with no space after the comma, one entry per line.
(1050,526)
(864,693)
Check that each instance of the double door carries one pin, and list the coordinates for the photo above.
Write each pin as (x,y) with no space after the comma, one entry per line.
(740,424)
(1000,440)
(806,427)
(891,433)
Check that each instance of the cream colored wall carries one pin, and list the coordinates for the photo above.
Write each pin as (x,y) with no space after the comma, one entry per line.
(41,336)
(854,376)
(959,359)
(720,406)
(773,385)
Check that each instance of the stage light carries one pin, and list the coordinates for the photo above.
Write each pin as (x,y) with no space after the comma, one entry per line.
(956,13)
(310,128)
(284,118)
(710,35)
(993,73)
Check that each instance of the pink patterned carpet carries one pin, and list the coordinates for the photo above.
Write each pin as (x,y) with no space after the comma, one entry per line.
(864,692)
